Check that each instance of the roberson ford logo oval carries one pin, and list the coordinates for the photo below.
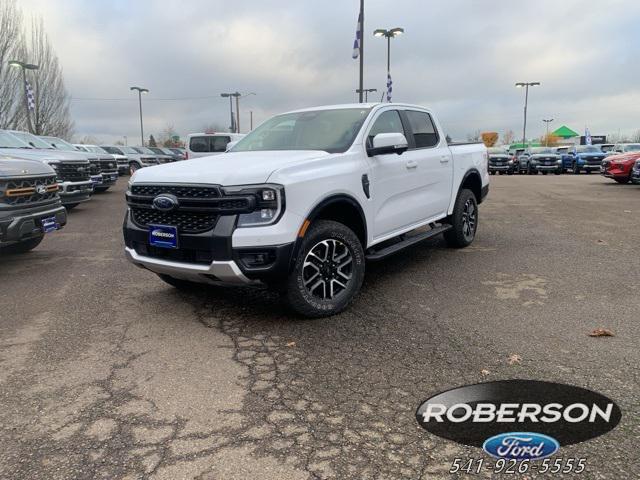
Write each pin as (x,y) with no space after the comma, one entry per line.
(515,416)
(165,202)
(521,446)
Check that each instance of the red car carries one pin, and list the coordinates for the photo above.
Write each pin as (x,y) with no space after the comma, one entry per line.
(618,167)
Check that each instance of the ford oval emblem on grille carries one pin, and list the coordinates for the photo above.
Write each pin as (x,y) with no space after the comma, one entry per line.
(41,189)
(165,202)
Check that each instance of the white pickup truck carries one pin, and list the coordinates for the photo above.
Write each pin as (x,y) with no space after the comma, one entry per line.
(301,203)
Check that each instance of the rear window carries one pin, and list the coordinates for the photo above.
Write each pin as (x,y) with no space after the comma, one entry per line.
(209,144)
(424,132)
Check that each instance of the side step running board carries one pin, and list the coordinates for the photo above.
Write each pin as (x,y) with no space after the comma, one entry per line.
(374,255)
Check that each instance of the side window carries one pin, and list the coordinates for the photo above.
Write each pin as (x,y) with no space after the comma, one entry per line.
(199,144)
(424,132)
(387,122)
(219,144)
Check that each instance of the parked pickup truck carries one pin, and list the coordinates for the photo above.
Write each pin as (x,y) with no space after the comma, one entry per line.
(542,159)
(29,204)
(586,158)
(72,168)
(135,159)
(500,161)
(301,202)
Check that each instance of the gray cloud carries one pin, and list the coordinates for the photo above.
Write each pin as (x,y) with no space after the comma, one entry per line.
(460,57)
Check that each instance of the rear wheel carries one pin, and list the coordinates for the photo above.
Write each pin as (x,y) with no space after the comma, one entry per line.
(464,221)
(22,247)
(328,271)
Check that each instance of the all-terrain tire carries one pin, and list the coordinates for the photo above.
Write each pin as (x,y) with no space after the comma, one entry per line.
(22,247)
(330,252)
(464,221)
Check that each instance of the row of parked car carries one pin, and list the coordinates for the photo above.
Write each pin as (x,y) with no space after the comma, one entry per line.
(42,177)
(620,162)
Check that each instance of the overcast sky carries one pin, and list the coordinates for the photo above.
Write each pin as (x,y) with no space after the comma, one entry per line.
(459,57)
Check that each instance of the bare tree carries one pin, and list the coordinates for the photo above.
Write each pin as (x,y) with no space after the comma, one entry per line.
(635,137)
(168,137)
(12,47)
(213,128)
(508,137)
(51,115)
(474,137)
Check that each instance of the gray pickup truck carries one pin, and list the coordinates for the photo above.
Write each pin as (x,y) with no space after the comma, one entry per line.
(30,206)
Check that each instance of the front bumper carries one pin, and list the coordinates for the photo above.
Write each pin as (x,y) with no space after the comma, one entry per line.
(501,168)
(24,224)
(209,257)
(123,168)
(589,166)
(75,192)
(547,168)
(108,179)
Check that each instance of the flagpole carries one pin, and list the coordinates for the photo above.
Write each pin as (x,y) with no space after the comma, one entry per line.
(361,89)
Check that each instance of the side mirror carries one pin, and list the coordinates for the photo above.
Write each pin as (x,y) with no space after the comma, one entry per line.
(387,143)
(230,145)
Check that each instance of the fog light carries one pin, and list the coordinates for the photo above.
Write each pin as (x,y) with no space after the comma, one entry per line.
(257,259)
(267,213)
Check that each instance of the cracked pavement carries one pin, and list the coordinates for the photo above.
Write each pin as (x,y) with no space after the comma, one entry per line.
(106,372)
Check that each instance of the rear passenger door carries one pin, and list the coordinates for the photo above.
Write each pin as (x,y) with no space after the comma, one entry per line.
(434,164)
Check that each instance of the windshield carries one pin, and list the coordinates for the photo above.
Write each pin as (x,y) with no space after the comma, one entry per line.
(59,143)
(156,150)
(542,150)
(32,140)
(588,149)
(9,141)
(144,150)
(95,149)
(632,147)
(332,131)
(606,147)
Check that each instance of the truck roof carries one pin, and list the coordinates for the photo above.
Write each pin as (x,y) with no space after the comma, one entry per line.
(356,105)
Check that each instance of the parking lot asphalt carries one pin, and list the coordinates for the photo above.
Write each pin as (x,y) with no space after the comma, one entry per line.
(106,372)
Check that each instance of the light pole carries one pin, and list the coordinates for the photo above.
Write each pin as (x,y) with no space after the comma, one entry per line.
(140,91)
(232,127)
(389,34)
(366,92)
(526,86)
(546,138)
(24,67)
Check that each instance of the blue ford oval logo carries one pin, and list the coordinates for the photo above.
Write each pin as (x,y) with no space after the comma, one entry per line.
(521,446)
(165,202)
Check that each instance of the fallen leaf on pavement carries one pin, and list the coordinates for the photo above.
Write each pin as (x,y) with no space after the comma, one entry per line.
(601,332)
(514,358)
(484,371)
(291,344)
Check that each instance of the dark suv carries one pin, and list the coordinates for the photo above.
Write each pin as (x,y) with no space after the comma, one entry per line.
(500,161)
(30,206)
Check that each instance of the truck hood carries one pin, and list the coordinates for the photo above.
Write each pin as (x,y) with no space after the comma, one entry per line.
(231,168)
(11,166)
(40,155)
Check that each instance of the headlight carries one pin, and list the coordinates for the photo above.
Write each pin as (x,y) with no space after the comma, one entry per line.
(270,203)
(53,164)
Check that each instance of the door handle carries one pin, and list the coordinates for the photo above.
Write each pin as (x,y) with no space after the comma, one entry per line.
(444,159)
(412,164)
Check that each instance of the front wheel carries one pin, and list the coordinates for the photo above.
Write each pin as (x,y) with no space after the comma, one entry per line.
(576,169)
(71,206)
(328,271)
(622,180)
(133,167)
(23,247)
(464,221)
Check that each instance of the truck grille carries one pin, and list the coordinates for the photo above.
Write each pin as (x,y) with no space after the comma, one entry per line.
(108,165)
(94,167)
(180,191)
(187,222)
(73,171)
(27,191)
